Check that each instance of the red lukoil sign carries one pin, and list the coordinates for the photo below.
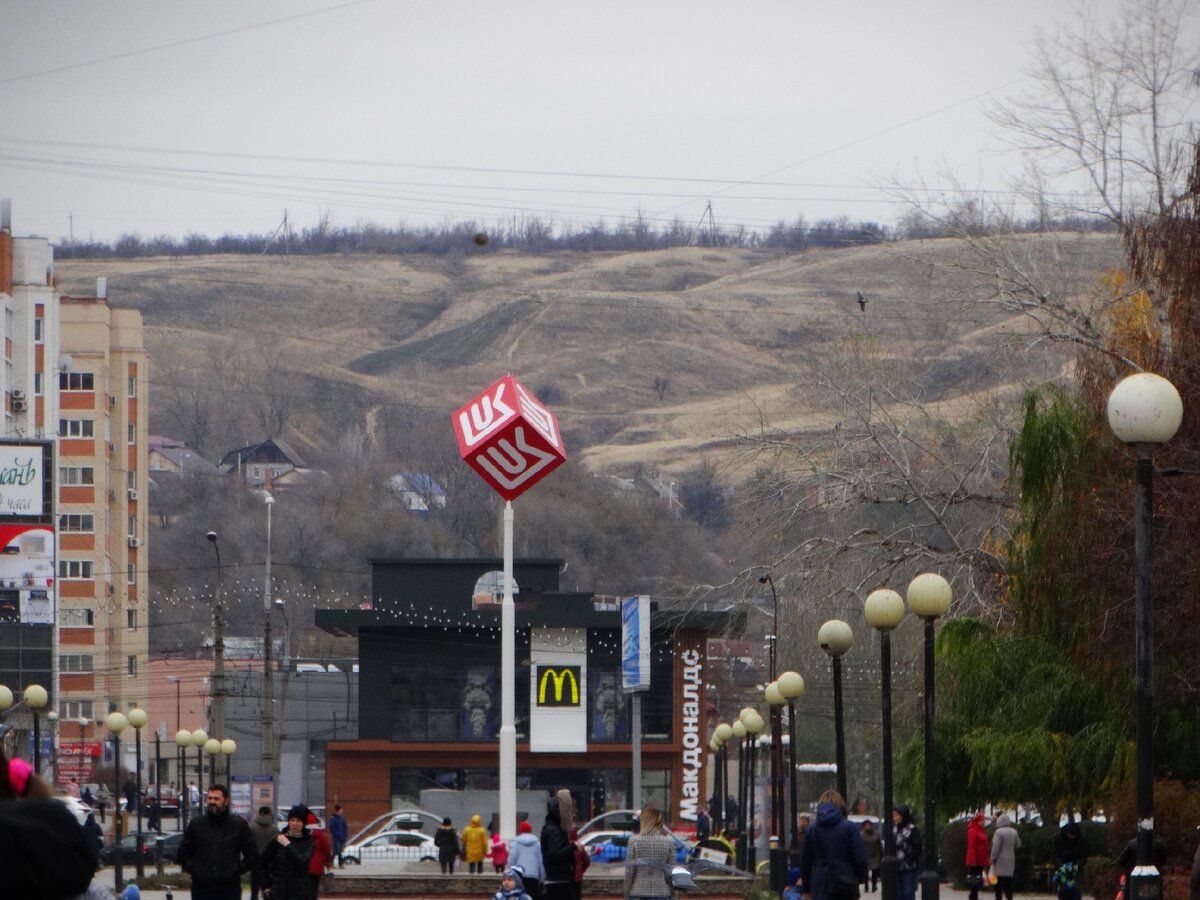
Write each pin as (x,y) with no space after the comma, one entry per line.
(508,437)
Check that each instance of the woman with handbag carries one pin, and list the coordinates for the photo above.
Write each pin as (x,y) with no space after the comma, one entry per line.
(977,854)
(1005,844)
(833,860)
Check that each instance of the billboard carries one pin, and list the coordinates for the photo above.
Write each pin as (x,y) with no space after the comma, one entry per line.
(558,690)
(635,643)
(22,475)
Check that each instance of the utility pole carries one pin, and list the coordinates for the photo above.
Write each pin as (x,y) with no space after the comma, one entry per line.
(216,715)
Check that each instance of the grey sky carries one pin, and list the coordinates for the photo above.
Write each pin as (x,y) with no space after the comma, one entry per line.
(392,111)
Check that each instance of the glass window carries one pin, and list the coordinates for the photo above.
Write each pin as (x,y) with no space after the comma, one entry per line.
(75,569)
(76,428)
(131,574)
(131,433)
(448,690)
(75,663)
(76,381)
(75,618)
(74,709)
(37,330)
(132,386)
(37,383)
(131,619)
(84,522)
(76,475)
(131,665)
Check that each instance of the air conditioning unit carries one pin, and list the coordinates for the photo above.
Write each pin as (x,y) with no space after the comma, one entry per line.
(17,394)
(135,542)
(133,495)
(18,405)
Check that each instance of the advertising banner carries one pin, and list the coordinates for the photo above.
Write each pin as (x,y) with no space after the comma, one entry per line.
(558,690)
(21,472)
(635,644)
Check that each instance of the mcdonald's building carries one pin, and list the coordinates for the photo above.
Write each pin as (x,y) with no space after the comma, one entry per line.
(429,691)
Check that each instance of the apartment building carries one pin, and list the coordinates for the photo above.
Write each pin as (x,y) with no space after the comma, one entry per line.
(73,584)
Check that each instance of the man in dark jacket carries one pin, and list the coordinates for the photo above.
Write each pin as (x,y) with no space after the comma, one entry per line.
(263,829)
(217,849)
(339,832)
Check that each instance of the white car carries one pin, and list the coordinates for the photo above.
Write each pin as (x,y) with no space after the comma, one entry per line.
(397,846)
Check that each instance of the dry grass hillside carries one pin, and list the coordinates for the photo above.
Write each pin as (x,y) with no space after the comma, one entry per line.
(729,337)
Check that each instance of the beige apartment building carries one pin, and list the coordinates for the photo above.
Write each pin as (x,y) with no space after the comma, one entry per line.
(73,608)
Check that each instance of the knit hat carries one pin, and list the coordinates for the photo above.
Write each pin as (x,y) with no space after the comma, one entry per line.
(300,811)
(311,820)
(525,828)
(516,873)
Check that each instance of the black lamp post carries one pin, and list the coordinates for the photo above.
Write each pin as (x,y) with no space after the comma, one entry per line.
(137,718)
(739,731)
(835,638)
(753,723)
(116,723)
(36,699)
(1144,410)
(722,734)
(199,739)
(885,610)
(183,740)
(791,686)
(929,597)
(778,849)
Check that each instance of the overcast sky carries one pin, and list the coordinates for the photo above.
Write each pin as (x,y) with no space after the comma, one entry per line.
(174,118)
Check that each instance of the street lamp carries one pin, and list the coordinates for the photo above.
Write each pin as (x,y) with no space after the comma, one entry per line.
(183,740)
(228,748)
(723,733)
(1144,410)
(137,718)
(270,744)
(885,610)
(753,723)
(791,686)
(773,637)
(739,732)
(929,597)
(216,712)
(213,748)
(116,723)
(36,699)
(835,638)
(199,739)
(778,850)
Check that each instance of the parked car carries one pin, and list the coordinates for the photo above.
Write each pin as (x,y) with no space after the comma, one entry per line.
(170,846)
(130,844)
(402,846)
(612,846)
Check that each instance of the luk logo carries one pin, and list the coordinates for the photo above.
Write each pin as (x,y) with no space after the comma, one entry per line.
(558,685)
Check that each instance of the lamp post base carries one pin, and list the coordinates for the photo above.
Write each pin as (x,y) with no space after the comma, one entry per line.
(1145,883)
(931,885)
(889,869)
(779,868)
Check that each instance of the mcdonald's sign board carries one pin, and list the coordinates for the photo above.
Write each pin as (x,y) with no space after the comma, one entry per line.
(559,685)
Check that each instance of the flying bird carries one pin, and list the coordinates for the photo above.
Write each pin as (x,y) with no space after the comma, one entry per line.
(681,876)
(862,301)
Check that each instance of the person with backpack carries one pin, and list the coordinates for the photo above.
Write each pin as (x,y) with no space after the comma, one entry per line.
(833,860)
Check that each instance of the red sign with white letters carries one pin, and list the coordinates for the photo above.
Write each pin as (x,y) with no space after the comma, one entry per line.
(508,437)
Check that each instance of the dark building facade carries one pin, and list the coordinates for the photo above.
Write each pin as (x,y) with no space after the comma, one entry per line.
(429,691)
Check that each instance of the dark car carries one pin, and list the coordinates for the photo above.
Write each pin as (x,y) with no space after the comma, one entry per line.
(148,842)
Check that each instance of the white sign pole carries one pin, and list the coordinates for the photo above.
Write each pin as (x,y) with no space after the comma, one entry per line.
(508,659)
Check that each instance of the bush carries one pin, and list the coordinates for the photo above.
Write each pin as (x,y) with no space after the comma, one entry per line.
(1101,877)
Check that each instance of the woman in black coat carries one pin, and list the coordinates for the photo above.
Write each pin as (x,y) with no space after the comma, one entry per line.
(558,851)
(285,861)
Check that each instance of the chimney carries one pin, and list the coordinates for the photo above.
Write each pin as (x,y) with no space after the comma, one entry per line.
(5,214)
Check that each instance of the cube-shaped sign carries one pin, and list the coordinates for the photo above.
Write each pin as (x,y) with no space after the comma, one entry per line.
(509,438)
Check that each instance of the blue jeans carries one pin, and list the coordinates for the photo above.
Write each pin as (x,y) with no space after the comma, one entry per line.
(906,885)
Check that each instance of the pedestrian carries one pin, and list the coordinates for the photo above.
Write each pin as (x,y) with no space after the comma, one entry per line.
(94,835)
(285,862)
(582,861)
(321,863)
(908,852)
(558,853)
(1072,852)
(978,857)
(153,815)
(526,856)
(703,825)
(650,843)
(795,886)
(498,852)
(833,860)
(873,841)
(86,796)
(1005,844)
(217,849)
(475,845)
(263,829)
(339,832)
(446,840)
(512,887)
(103,797)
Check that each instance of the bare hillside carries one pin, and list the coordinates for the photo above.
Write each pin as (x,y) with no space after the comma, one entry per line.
(649,359)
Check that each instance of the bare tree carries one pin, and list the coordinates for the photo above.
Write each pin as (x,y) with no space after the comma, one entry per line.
(1111,109)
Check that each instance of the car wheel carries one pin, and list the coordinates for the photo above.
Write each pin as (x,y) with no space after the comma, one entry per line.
(353,860)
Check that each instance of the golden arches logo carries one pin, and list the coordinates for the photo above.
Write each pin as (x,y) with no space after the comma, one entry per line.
(558,677)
